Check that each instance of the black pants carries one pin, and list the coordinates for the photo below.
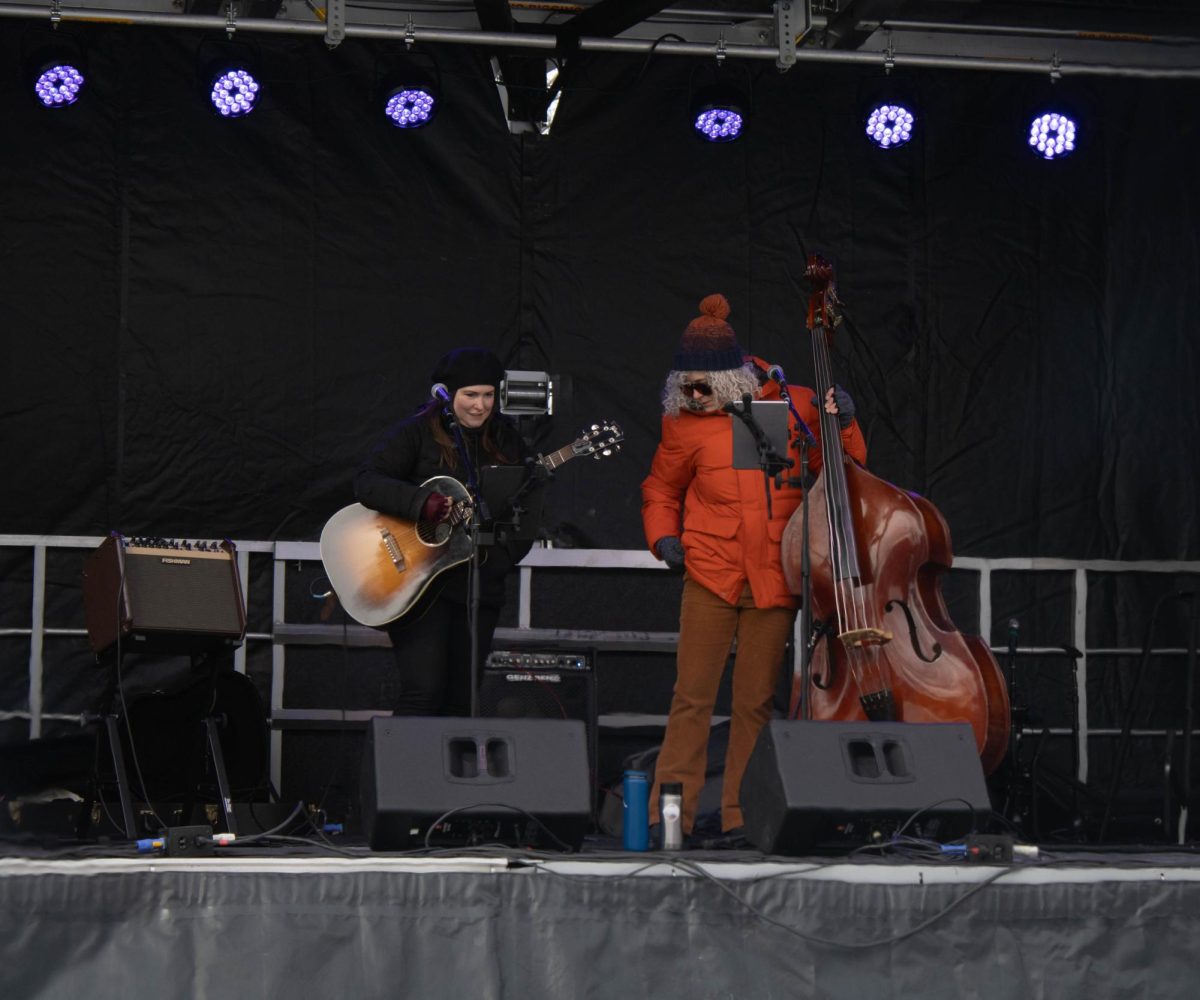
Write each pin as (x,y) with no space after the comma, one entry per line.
(432,644)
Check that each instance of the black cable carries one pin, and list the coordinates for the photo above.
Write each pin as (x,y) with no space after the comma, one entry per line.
(696,868)
(924,809)
(495,805)
(267,833)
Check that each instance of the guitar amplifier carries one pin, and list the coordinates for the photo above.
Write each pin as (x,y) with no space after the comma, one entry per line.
(163,595)
(547,684)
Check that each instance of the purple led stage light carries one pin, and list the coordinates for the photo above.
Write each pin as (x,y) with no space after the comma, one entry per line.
(410,107)
(1052,135)
(890,125)
(719,124)
(234,93)
(59,86)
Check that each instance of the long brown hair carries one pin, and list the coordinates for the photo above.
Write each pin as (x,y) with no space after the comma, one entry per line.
(432,411)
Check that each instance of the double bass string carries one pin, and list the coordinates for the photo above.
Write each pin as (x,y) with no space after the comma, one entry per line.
(850,604)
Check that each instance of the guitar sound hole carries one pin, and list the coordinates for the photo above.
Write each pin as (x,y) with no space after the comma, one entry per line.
(433,533)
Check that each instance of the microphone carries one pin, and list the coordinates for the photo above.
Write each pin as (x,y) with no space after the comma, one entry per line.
(775,374)
(1014,630)
(439,391)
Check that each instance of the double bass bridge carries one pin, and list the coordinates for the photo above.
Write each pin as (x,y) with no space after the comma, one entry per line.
(857,638)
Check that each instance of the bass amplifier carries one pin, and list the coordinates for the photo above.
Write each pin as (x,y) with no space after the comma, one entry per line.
(163,595)
(546,684)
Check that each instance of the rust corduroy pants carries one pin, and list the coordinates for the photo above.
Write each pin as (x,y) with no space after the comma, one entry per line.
(707,628)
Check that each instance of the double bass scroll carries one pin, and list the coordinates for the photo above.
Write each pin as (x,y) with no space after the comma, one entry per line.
(887,647)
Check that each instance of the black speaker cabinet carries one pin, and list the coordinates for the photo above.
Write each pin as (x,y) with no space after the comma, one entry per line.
(819,787)
(456,782)
(164,596)
(540,685)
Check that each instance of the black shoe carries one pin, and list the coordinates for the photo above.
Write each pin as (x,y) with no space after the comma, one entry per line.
(729,840)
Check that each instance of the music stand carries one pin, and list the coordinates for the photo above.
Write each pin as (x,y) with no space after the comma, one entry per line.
(771,415)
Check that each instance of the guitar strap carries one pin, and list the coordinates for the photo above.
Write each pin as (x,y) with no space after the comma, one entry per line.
(472,472)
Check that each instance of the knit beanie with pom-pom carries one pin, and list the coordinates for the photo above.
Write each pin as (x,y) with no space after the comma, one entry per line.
(709,343)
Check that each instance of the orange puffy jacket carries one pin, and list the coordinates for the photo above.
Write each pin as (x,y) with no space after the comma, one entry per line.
(720,513)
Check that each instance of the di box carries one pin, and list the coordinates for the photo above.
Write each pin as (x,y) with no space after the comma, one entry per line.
(819,787)
(458,782)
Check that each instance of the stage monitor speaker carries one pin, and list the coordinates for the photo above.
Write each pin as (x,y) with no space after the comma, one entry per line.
(826,787)
(165,596)
(541,684)
(458,782)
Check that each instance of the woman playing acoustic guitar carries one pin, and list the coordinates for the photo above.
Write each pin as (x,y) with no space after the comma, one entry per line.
(432,639)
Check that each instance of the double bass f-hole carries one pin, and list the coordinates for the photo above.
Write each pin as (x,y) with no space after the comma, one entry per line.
(822,631)
(912,632)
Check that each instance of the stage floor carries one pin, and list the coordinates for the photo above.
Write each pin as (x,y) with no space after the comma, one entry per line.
(340,920)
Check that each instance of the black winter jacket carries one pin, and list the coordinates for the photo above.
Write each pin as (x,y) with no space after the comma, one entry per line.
(390,480)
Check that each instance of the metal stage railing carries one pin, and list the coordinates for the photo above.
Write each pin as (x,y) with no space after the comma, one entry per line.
(284,634)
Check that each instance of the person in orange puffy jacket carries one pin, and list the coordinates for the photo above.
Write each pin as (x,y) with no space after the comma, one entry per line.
(712,521)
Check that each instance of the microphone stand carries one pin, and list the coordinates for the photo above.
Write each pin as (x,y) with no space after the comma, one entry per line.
(477,539)
(806,439)
(773,464)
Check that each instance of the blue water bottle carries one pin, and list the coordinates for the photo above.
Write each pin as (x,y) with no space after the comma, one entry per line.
(635,814)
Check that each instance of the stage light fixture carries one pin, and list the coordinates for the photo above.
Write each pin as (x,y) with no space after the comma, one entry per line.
(55,67)
(407,88)
(1052,135)
(410,105)
(890,125)
(234,91)
(719,112)
(228,78)
(58,85)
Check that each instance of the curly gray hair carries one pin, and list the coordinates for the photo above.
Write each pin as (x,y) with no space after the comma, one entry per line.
(727,386)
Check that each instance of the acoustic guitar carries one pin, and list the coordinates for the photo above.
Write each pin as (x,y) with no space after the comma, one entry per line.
(380,565)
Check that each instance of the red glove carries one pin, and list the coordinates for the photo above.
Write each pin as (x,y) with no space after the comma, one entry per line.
(436,507)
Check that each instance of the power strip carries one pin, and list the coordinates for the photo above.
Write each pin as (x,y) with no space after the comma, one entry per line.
(181,841)
(988,847)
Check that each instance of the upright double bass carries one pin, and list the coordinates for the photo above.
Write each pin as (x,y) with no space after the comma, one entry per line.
(886,648)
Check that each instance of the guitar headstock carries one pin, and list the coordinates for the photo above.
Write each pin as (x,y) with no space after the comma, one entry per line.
(823,302)
(599,440)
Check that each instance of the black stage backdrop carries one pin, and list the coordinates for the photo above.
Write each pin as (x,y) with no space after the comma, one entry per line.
(206,324)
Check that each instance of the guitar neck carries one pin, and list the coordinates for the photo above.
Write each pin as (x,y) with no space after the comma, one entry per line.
(557,458)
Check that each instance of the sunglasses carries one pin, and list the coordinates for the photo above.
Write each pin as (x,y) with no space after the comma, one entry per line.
(695,388)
